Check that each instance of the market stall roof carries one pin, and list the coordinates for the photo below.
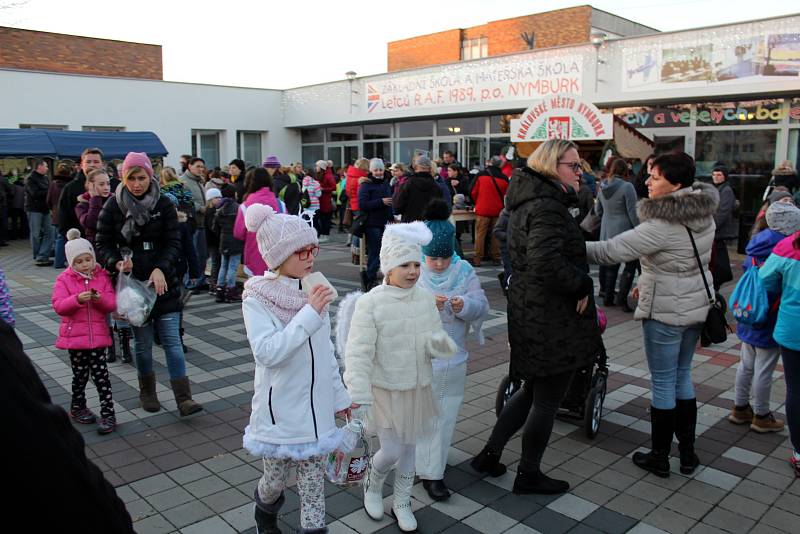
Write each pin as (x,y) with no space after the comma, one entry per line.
(69,144)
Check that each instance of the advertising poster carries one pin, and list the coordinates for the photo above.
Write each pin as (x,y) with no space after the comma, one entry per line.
(642,69)
(562,117)
(783,55)
(687,64)
(740,61)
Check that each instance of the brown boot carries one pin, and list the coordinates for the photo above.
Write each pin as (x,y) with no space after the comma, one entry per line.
(183,397)
(147,393)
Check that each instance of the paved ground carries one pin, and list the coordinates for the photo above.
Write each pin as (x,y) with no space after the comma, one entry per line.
(191,475)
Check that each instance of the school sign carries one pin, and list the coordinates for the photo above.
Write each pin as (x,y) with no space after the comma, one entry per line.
(562,116)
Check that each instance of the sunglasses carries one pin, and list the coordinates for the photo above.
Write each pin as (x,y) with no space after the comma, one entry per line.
(306,253)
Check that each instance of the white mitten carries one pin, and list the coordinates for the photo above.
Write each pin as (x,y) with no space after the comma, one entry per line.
(440,345)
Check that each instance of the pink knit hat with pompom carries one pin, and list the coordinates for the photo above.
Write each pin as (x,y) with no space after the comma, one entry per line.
(278,234)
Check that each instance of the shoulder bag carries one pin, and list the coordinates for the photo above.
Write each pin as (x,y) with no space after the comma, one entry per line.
(716,328)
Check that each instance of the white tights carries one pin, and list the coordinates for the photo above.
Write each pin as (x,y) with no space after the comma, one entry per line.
(394,453)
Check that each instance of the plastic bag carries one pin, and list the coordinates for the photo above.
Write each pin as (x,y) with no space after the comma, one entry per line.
(348,465)
(135,299)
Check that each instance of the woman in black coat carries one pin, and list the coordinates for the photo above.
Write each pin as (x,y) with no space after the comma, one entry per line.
(139,218)
(552,320)
(374,199)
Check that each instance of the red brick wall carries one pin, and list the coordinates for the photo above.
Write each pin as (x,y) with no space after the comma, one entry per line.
(55,52)
(554,28)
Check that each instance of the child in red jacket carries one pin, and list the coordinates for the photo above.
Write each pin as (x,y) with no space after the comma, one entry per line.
(83,296)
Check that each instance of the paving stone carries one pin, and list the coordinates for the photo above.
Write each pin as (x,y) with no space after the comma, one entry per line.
(743,505)
(728,521)
(483,492)
(190,473)
(342,504)
(362,523)
(687,505)
(139,509)
(240,518)
(718,478)
(187,514)
(516,506)
(609,521)
(149,486)
(241,474)
(573,506)
(155,524)
(550,522)
(702,491)
(226,500)
(206,486)
(489,521)
(769,478)
(649,492)
(644,528)
(169,499)
(460,528)
(594,492)
(781,519)
(743,455)
(630,506)
(519,528)
(213,525)
(669,521)
(457,506)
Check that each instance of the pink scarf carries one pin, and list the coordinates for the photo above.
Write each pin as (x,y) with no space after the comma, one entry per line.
(283,300)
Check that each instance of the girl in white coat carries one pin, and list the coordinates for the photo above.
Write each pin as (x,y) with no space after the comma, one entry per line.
(394,334)
(462,306)
(298,389)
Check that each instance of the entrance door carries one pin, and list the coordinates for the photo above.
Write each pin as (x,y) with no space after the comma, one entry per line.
(476,152)
(343,155)
(453,145)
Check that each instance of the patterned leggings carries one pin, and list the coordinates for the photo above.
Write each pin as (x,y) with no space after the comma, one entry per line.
(85,362)
(310,486)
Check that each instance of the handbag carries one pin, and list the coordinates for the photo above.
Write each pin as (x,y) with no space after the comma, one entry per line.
(359,224)
(716,328)
(347,220)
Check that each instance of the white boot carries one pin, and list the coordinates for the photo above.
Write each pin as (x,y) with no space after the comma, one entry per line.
(373,494)
(401,507)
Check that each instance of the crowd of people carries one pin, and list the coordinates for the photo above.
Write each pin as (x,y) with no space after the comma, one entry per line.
(401,363)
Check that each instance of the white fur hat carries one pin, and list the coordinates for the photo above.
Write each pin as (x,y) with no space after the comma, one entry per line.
(76,245)
(278,234)
(783,218)
(402,243)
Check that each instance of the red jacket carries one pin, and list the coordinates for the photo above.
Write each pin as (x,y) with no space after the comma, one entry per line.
(327,186)
(353,176)
(488,203)
(83,326)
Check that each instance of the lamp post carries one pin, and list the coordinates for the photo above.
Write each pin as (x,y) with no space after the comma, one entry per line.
(597,38)
(351,75)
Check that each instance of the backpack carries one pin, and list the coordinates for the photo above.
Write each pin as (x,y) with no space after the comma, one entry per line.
(749,303)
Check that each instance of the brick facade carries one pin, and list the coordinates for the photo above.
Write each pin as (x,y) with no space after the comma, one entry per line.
(55,52)
(554,28)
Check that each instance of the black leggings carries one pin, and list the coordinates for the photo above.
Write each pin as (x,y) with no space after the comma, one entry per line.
(91,362)
(544,395)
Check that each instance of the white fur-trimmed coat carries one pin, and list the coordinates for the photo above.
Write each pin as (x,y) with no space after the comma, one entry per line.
(393,336)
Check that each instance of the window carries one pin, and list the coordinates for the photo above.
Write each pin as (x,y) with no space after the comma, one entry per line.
(311,155)
(43,126)
(344,133)
(377,131)
(205,144)
(461,126)
(377,149)
(248,147)
(406,150)
(415,129)
(312,135)
(501,124)
(103,128)
(475,48)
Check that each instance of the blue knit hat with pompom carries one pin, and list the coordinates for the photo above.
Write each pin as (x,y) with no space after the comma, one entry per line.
(444,233)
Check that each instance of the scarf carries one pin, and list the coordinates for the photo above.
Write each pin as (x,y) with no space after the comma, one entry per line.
(283,300)
(451,281)
(136,211)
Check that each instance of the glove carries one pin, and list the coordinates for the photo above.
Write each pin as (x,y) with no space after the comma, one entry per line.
(361,412)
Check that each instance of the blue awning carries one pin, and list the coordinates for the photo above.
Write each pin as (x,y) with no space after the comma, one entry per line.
(68,144)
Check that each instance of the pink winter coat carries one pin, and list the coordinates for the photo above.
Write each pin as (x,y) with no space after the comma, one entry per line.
(252,260)
(83,326)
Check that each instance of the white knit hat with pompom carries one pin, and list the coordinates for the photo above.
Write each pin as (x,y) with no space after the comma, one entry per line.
(278,234)
(76,245)
(402,243)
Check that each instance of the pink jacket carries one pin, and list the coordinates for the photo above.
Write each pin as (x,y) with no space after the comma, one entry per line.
(253,262)
(83,326)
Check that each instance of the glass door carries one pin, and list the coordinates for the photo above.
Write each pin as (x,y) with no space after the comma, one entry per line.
(476,152)
(351,154)
(335,155)
(343,155)
(453,145)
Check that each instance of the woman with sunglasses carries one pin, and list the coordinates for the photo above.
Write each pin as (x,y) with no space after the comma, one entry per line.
(297,389)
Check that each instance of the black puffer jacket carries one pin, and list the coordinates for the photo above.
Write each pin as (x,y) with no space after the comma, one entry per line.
(415,195)
(158,245)
(66,204)
(224,221)
(36,186)
(548,258)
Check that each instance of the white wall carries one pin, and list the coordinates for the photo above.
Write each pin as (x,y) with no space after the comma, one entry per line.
(169,109)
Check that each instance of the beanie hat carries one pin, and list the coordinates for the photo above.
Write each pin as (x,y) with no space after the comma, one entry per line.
(423,162)
(76,245)
(239,163)
(271,162)
(137,159)
(443,241)
(777,195)
(279,235)
(401,244)
(322,164)
(228,191)
(783,218)
(213,193)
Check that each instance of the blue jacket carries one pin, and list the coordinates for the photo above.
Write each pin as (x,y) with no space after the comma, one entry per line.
(370,200)
(759,248)
(781,273)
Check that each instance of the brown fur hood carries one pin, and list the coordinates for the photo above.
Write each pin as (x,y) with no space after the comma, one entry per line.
(688,206)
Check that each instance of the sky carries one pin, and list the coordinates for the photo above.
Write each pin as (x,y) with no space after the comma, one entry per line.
(282,44)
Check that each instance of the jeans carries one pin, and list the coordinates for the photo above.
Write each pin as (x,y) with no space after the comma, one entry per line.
(545,395)
(755,370)
(323,221)
(216,261)
(227,270)
(60,256)
(199,240)
(41,235)
(169,333)
(791,373)
(373,235)
(669,350)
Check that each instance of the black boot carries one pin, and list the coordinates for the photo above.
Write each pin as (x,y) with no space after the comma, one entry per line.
(267,515)
(685,425)
(365,282)
(488,462)
(125,344)
(112,350)
(662,424)
(537,482)
(220,295)
(611,285)
(625,283)
(436,489)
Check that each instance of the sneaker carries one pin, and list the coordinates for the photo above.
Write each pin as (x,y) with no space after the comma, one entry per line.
(740,416)
(323,239)
(106,425)
(83,416)
(766,423)
(794,461)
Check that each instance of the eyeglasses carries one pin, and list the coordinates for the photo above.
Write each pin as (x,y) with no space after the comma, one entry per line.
(304,254)
(574,165)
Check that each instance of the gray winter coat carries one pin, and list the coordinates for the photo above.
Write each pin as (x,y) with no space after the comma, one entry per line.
(194,185)
(671,288)
(727,225)
(616,205)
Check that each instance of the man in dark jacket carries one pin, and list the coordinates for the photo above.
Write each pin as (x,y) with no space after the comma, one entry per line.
(91,158)
(39,429)
(727,228)
(420,188)
(41,229)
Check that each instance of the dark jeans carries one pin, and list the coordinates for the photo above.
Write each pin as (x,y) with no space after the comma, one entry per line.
(791,373)
(322,222)
(544,395)
(18,224)
(216,261)
(373,235)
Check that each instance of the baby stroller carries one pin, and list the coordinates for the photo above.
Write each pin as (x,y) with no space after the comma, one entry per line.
(586,393)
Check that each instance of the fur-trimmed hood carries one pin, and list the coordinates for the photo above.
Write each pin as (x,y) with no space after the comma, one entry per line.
(690,206)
